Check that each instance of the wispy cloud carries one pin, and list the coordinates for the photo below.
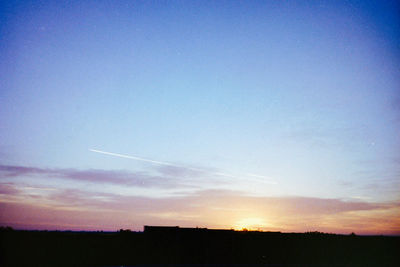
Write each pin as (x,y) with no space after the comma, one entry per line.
(118,177)
(208,208)
(13,171)
(8,189)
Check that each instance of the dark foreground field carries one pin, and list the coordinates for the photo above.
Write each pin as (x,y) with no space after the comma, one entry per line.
(194,247)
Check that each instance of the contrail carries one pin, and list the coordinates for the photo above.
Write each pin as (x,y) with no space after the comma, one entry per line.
(160,162)
(179,166)
(132,157)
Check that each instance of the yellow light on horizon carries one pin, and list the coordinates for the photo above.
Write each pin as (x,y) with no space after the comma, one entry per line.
(253,223)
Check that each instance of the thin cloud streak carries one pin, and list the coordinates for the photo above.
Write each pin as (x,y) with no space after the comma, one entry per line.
(118,177)
(247,176)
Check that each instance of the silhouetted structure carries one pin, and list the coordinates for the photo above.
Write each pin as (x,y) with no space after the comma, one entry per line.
(194,247)
(176,229)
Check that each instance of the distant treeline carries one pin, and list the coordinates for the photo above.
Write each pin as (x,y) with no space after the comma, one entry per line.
(176,246)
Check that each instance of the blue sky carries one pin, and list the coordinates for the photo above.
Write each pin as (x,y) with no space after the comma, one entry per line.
(305,94)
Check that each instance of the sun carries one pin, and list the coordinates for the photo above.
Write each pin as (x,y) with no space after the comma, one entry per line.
(252,223)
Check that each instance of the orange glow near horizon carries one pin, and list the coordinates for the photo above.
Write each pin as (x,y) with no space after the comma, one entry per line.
(20,212)
(251,223)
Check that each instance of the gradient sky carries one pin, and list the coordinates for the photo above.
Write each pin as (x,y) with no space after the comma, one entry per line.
(271,115)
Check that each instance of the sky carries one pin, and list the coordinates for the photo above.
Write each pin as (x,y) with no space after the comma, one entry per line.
(265,115)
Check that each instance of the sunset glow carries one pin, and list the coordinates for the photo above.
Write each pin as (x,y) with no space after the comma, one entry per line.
(251,224)
(264,115)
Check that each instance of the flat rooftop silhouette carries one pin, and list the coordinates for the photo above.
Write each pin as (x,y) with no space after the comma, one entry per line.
(174,245)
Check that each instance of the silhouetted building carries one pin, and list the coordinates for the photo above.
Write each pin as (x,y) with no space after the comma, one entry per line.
(176,229)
